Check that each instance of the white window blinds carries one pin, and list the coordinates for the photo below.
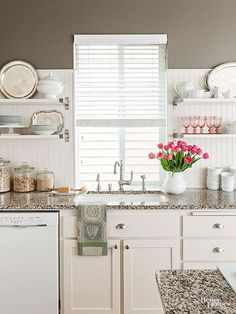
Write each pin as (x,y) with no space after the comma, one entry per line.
(120,80)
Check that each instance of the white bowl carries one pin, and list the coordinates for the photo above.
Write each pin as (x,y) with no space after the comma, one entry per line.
(44,129)
(227,189)
(214,170)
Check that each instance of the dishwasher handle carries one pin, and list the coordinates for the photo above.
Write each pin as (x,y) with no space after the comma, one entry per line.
(23,226)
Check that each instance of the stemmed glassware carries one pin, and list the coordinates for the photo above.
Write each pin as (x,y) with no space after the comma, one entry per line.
(194,123)
(210,124)
(217,123)
(201,123)
(186,121)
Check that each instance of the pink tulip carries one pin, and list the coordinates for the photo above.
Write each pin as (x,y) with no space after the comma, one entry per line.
(199,151)
(176,149)
(187,160)
(205,156)
(151,156)
(169,157)
(184,148)
(160,155)
(170,143)
(190,147)
(160,145)
(166,147)
(194,151)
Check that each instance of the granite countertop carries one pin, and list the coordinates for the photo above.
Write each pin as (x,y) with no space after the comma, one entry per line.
(192,199)
(195,292)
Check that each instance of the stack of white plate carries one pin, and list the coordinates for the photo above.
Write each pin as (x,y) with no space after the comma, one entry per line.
(227,181)
(213,178)
(43,129)
(5,120)
(233,170)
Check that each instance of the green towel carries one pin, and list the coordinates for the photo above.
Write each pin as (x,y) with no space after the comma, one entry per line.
(92,225)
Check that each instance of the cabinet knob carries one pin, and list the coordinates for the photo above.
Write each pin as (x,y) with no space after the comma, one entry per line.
(115,246)
(127,247)
(121,226)
(218,226)
(218,250)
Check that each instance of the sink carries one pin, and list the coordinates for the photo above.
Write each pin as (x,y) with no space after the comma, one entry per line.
(131,198)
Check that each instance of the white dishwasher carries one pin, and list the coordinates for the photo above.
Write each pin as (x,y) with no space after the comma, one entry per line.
(29,262)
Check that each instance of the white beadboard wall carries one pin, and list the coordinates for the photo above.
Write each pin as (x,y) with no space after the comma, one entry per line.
(222,151)
(58,156)
(55,154)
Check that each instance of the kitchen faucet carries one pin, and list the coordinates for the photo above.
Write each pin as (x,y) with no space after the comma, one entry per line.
(122,182)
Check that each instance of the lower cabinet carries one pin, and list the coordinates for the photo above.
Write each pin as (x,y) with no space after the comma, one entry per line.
(91,284)
(142,258)
(121,283)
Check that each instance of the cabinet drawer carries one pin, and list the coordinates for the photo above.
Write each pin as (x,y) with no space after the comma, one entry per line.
(134,226)
(143,226)
(209,250)
(209,226)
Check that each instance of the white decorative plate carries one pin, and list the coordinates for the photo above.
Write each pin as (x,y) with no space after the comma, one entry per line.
(49,117)
(223,76)
(18,79)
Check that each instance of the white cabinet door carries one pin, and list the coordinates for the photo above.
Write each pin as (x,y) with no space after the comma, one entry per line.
(142,258)
(91,283)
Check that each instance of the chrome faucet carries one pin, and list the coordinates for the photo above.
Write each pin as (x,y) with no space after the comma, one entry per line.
(143,177)
(122,182)
(99,182)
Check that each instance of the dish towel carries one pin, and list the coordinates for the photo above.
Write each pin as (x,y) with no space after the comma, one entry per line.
(92,225)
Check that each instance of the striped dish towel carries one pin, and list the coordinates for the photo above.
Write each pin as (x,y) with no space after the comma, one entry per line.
(92,225)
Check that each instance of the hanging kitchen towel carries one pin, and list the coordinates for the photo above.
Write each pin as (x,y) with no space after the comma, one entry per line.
(92,225)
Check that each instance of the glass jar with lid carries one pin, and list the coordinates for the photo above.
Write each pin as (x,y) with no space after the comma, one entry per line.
(45,180)
(5,176)
(24,178)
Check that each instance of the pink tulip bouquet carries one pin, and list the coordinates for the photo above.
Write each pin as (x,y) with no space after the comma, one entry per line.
(178,158)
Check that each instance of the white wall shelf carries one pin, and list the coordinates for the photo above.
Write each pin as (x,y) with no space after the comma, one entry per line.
(30,136)
(209,136)
(178,101)
(37,101)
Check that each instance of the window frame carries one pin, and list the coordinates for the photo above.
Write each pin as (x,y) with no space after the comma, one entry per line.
(121,124)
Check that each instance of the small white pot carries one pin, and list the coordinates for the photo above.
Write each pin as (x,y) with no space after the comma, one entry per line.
(175,183)
(50,87)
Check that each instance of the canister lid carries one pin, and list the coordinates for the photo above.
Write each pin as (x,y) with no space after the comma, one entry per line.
(4,162)
(24,168)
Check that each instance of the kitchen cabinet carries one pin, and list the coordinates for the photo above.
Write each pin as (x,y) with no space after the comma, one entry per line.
(91,284)
(142,258)
(124,281)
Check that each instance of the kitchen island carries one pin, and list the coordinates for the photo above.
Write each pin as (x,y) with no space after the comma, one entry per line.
(195,292)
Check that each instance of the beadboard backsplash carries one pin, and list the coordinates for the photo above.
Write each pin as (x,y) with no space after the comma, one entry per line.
(58,155)
(222,151)
(55,154)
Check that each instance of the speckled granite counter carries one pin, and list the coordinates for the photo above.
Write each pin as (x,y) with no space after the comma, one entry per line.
(192,199)
(195,292)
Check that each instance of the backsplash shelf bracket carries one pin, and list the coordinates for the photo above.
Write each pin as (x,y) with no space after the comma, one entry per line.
(67,135)
(176,101)
(66,102)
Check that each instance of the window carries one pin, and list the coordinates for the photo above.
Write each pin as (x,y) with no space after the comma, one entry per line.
(120,105)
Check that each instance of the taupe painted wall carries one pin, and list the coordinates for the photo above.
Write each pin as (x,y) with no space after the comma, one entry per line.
(202,33)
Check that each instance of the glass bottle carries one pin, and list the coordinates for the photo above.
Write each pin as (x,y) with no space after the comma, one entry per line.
(45,181)
(24,178)
(5,175)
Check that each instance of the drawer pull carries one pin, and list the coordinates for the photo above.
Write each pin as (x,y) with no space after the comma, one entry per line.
(115,246)
(121,226)
(218,250)
(127,247)
(218,226)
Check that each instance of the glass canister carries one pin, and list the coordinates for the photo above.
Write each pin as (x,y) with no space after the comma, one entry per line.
(5,175)
(45,181)
(24,178)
